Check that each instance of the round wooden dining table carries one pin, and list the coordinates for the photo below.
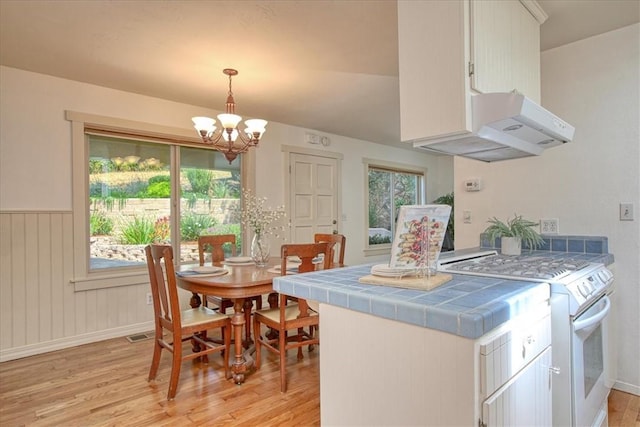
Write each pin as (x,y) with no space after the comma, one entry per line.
(239,284)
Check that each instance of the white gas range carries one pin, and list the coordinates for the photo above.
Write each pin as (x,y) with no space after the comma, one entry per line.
(579,310)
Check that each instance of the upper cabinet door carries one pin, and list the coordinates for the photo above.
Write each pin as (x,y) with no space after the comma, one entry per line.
(451,49)
(432,40)
(526,52)
(505,48)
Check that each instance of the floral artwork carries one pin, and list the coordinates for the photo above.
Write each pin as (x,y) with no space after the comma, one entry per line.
(420,231)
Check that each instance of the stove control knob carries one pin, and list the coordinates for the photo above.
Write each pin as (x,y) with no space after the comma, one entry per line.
(583,289)
(590,285)
(605,275)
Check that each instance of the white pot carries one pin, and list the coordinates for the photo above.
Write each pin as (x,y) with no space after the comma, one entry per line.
(511,245)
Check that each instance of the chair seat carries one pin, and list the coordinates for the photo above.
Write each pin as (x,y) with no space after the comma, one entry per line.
(197,316)
(291,312)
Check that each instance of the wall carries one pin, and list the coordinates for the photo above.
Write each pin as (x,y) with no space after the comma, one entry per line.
(35,183)
(594,85)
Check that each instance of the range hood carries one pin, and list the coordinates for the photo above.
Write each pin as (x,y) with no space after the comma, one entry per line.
(505,126)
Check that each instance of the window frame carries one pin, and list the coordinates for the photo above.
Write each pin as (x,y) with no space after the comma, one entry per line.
(393,167)
(83,278)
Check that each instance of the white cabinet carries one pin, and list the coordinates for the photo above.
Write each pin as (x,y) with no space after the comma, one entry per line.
(376,371)
(515,380)
(505,48)
(450,49)
(523,401)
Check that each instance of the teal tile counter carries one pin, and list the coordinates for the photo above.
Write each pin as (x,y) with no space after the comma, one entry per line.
(588,248)
(467,306)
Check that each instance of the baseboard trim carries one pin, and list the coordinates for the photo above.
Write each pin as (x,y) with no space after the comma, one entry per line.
(62,343)
(627,388)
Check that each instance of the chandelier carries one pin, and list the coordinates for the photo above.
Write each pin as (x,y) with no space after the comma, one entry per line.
(228,140)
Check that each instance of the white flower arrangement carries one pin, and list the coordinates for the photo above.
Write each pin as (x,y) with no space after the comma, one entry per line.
(259,218)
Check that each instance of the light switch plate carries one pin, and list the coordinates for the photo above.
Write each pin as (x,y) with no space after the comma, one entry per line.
(626,211)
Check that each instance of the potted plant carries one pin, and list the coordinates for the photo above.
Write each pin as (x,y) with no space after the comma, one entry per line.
(513,233)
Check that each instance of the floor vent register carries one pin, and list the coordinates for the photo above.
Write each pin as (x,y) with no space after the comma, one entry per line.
(140,337)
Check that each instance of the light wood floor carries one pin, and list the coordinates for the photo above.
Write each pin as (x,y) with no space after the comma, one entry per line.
(624,409)
(106,384)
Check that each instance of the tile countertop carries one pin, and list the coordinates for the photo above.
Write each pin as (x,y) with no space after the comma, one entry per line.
(467,306)
(589,248)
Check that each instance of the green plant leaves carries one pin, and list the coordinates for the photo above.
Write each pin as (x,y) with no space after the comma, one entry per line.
(516,227)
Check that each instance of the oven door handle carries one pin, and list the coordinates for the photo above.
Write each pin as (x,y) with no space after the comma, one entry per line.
(585,323)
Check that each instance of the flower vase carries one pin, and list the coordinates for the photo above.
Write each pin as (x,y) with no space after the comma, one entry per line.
(260,249)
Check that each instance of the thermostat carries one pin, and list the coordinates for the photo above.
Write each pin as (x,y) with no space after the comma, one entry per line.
(472,184)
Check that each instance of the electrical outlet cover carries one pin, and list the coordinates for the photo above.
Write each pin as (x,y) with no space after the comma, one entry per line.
(549,226)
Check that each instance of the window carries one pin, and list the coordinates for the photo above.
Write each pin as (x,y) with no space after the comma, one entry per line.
(133,188)
(210,191)
(130,199)
(389,187)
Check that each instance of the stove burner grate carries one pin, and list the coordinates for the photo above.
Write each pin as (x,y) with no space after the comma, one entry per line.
(535,267)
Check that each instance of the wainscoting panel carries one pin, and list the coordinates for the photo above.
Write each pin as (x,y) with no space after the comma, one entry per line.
(39,307)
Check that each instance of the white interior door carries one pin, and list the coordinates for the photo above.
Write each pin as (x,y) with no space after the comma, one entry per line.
(313,198)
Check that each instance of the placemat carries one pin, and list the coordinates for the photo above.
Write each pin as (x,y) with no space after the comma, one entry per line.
(421,283)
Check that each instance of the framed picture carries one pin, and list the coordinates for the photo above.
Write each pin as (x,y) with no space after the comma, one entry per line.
(420,231)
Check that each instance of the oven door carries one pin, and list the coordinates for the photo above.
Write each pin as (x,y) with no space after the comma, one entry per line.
(590,342)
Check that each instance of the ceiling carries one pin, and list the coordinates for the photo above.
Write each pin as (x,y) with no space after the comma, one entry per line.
(326,65)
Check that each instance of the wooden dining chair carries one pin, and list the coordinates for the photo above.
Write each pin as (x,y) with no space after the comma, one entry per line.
(213,245)
(183,325)
(337,240)
(291,316)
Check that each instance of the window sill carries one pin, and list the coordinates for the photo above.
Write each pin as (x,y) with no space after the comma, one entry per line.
(371,251)
(109,281)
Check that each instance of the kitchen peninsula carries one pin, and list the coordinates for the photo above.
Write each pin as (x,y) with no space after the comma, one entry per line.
(475,350)
(393,356)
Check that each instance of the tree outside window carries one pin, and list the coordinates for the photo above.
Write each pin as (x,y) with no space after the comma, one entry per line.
(388,190)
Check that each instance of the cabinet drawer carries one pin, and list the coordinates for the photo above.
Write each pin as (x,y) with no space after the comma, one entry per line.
(506,355)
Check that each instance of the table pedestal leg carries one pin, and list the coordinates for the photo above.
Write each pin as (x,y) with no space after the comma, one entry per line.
(195,300)
(239,367)
(272,299)
(248,305)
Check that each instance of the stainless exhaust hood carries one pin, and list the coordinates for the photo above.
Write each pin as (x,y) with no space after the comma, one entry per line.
(505,126)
